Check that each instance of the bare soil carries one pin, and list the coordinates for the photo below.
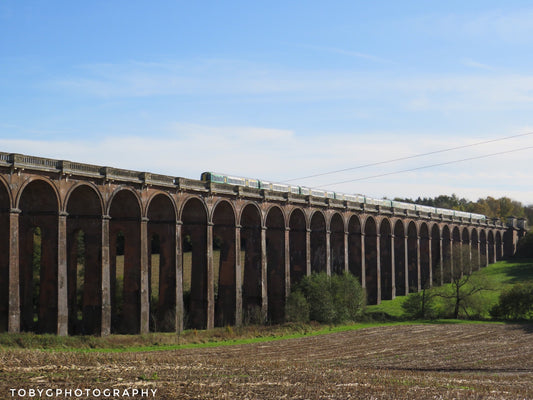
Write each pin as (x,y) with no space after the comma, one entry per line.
(481,361)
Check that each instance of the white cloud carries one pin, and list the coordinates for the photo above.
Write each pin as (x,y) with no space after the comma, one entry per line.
(280,155)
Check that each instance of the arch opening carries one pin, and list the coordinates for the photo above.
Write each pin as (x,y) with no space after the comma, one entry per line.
(337,244)
(297,243)
(224,270)
(251,283)
(400,273)
(446,255)
(413,261)
(194,217)
(436,257)
(4,258)
(275,248)
(84,262)
(386,263)
(38,258)
(425,258)
(125,263)
(355,249)
(371,261)
(318,243)
(162,280)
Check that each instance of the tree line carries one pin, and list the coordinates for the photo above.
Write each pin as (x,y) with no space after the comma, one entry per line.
(501,208)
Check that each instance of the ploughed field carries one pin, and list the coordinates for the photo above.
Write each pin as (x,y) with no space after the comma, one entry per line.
(464,361)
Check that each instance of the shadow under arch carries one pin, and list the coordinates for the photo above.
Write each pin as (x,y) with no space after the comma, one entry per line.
(252,297)
(125,262)
(195,274)
(386,265)
(224,243)
(318,242)
(337,244)
(298,247)
(400,255)
(275,252)
(38,257)
(162,278)
(355,253)
(5,206)
(84,261)
(372,273)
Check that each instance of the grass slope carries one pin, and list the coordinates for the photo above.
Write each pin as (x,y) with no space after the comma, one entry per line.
(499,276)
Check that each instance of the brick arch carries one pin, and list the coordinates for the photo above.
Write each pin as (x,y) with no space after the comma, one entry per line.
(158,195)
(400,255)
(466,251)
(425,256)
(413,256)
(474,249)
(436,255)
(230,206)
(483,244)
(491,247)
(197,287)
(57,207)
(337,229)
(252,294)
(89,188)
(161,248)
(125,211)
(224,236)
(5,206)
(84,259)
(297,245)
(372,275)
(276,268)
(39,204)
(317,225)
(270,211)
(386,263)
(498,240)
(201,211)
(355,249)
(7,194)
(447,251)
(120,191)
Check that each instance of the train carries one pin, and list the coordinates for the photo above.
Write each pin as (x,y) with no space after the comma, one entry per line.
(355,198)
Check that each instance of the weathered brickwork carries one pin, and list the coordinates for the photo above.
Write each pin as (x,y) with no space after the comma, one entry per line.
(266,241)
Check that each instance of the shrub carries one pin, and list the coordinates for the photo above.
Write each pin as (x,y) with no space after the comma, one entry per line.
(348,297)
(330,299)
(297,307)
(420,305)
(515,303)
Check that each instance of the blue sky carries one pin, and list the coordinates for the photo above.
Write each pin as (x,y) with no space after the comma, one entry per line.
(276,90)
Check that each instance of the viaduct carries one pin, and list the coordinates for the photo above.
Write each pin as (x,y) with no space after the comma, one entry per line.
(77,244)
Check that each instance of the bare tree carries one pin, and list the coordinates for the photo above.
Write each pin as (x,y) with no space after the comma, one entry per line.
(464,287)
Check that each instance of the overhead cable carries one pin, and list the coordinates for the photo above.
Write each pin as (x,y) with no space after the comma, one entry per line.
(407,158)
(426,166)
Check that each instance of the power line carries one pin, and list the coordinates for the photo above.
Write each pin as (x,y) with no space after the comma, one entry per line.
(407,158)
(426,166)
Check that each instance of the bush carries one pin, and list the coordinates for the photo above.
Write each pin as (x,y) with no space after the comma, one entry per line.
(420,305)
(328,299)
(348,297)
(515,303)
(297,307)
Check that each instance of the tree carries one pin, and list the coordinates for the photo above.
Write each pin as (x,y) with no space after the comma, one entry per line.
(463,294)
(515,303)
(420,304)
(326,299)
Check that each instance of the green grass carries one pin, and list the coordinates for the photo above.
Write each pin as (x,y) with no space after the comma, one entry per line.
(189,339)
(498,276)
